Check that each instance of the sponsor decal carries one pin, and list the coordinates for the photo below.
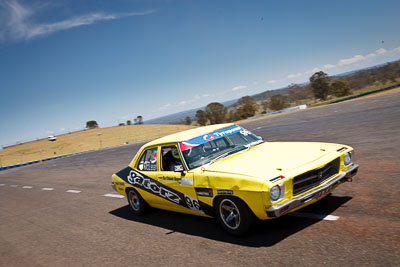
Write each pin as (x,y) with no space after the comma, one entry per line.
(225,192)
(166,178)
(208,137)
(135,178)
(211,136)
(227,131)
(273,180)
(323,193)
(204,192)
(140,180)
(193,204)
(186,181)
(185,146)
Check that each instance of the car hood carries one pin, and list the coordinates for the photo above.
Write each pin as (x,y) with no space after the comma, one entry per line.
(271,159)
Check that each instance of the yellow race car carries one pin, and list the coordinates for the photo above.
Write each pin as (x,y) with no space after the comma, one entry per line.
(228,172)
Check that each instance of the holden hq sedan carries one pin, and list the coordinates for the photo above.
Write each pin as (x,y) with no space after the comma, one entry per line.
(225,171)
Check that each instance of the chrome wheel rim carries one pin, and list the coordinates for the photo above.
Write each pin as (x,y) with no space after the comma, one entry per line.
(229,214)
(134,200)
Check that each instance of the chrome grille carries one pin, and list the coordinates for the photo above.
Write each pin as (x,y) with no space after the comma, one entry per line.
(315,177)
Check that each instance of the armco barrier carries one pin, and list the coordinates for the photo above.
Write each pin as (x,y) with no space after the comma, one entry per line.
(365,93)
(280,111)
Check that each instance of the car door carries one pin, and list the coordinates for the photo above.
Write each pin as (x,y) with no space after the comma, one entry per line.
(175,178)
(148,181)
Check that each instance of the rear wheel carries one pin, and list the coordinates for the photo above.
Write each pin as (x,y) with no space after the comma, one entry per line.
(234,216)
(137,204)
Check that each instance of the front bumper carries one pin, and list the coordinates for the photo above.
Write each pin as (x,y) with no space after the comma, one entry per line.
(286,206)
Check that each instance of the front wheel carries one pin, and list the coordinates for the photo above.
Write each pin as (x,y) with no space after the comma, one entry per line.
(137,204)
(234,216)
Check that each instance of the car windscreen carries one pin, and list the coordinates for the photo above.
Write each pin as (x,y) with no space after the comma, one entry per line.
(215,145)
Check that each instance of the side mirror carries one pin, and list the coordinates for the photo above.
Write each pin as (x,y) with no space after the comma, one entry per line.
(179,168)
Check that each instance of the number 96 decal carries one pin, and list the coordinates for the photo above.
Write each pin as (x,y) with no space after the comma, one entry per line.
(193,204)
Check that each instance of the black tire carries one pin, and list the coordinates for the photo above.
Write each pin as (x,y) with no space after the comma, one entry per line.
(233,215)
(136,203)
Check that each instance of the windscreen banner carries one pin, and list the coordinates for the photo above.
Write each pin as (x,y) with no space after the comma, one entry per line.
(209,137)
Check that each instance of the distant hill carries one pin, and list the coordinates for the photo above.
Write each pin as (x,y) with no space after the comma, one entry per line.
(173,118)
(180,116)
(356,79)
(267,94)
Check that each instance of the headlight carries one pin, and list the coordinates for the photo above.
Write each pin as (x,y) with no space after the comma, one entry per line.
(277,192)
(348,158)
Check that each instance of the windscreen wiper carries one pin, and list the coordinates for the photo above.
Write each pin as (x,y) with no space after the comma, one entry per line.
(224,155)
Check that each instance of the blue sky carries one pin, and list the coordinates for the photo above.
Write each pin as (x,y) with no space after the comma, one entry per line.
(65,62)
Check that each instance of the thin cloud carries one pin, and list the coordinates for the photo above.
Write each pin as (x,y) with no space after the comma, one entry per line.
(20,27)
(381,51)
(166,106)
(395,50)
(240,87)
(345,62)
(184,102)
(359,58)
(312,71)
(328,66)
(292,76)
(351,60)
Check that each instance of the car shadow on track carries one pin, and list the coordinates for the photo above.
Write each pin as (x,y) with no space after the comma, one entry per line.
(264,233)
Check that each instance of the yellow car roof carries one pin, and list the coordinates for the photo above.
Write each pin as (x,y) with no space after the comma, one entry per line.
(188,134)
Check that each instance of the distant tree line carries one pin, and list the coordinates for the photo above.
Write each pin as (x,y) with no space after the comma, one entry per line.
(136,121)
(321,87)
(92,124)
(244,108)
(377,75)
(216,112)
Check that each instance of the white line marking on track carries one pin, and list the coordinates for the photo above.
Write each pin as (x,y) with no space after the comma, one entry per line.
(47,189)
(2,184)
(315,216)
(13,185)
(73,191)
(27,186)
(114,195)
(331,218)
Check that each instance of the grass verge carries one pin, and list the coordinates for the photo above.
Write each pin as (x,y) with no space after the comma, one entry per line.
(92,139)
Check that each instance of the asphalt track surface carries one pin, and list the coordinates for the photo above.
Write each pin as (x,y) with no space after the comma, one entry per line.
(43,223)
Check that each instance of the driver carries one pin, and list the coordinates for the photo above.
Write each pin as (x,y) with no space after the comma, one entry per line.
(175,160)
(171,159)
